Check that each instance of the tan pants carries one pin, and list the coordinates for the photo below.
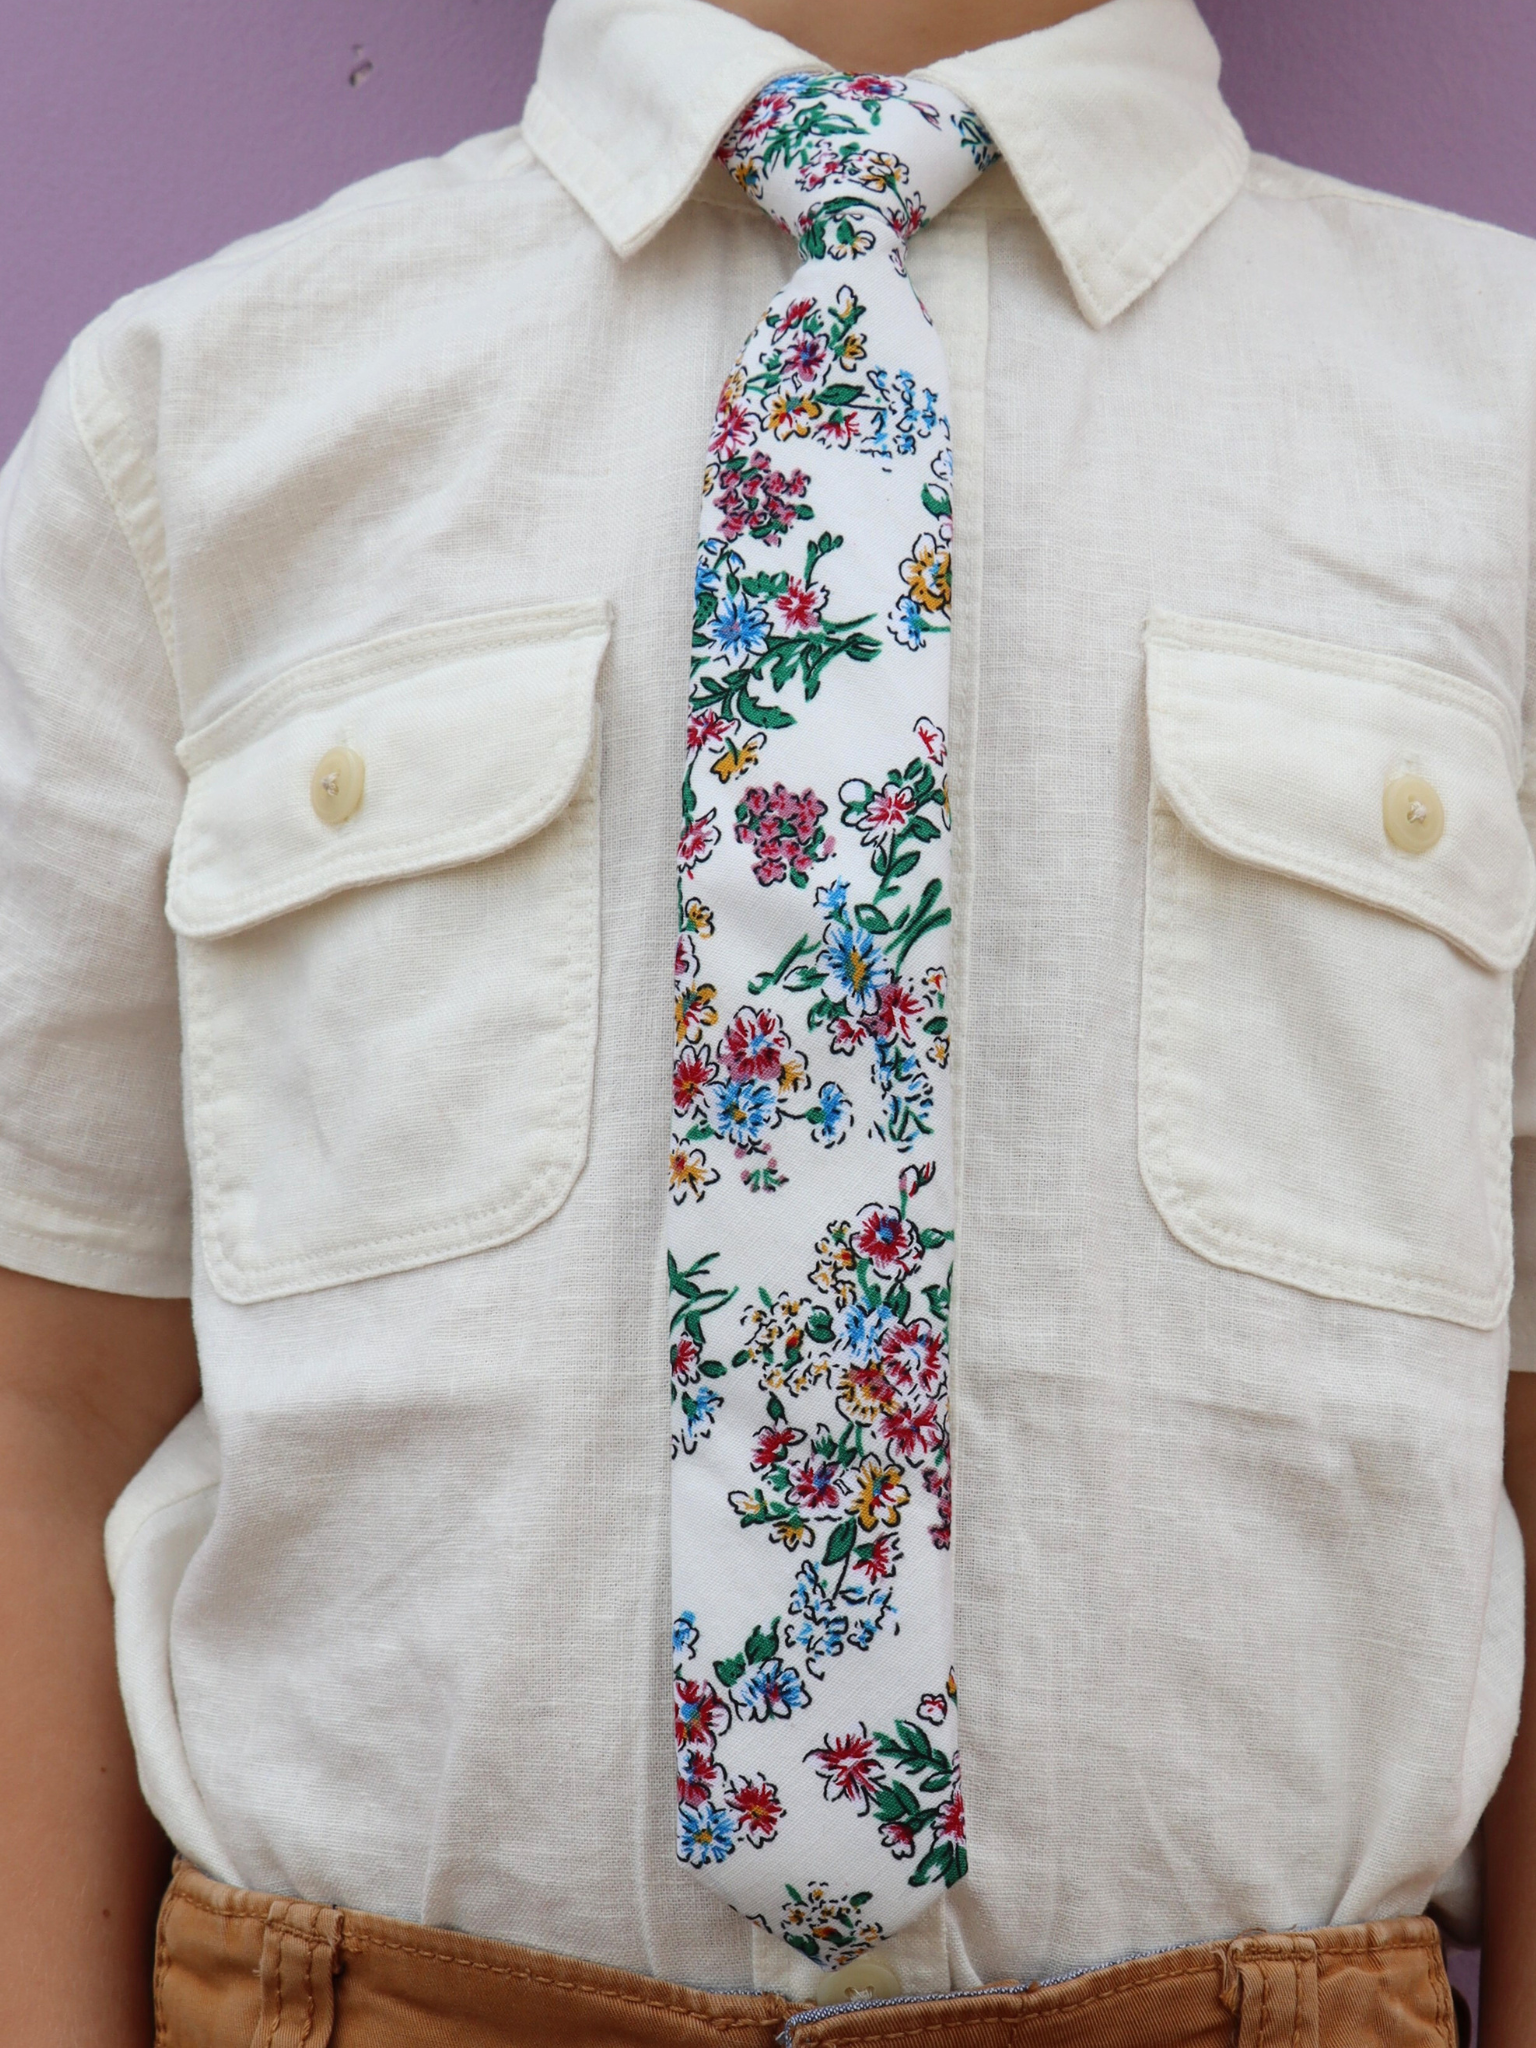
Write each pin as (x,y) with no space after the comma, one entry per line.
(240,1970)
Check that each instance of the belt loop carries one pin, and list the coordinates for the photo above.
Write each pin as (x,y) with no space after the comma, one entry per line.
(299,1960)
(1271,1984)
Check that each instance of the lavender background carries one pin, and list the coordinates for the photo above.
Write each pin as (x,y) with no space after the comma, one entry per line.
(139,135)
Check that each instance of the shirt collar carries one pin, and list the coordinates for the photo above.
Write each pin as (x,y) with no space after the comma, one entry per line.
(1112,123)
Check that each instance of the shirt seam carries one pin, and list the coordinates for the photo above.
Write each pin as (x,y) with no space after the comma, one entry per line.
(127,481)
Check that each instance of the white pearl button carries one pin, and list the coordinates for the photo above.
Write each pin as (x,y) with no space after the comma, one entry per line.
(336,787)
(864,1978)
(1412,813)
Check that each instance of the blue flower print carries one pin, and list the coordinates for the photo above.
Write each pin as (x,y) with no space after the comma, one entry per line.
(832,900)
(855,968)
(861,1325)
(739,629)
(699,1407)
(742,1110)
(770,1692)
(904,622)
(705,1835)
(685,1634)
(832,1118)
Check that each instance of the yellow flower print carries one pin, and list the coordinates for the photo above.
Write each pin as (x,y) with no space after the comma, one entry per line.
(879,171)
(737,760)
(691,1173)
(696,1012)
(935,981)
(938,1052)
(852,350)
(863,1394)
(789,416)
(711,476)
(792,1074)
(926,573)
(791,1532)
(735,385)
(881,1495)
(699,918)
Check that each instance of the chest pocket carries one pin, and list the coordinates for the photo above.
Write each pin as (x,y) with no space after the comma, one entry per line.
(1327,1014)
(390,1015)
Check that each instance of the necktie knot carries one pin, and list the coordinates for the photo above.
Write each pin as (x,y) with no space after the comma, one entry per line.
(847,161)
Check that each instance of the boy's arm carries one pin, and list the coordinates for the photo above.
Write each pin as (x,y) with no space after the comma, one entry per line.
(1508,2016)
(89,1384)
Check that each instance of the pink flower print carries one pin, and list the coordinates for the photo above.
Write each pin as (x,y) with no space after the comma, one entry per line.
(913,1431)
(698,841)
(933,1707)
(753,497)
(951,1822)
(888,1241)
(692,1073)
(800,606)
(794,315)
(806,357)
(816,1486)
(699,1714)
(913,1355)
(839,429)
(930,738)
(876,1561)
(938,1485)
(847,1035)
(758,1808)
(898,1009)
(783,828)
(706,728)
(771,1445)
(754,1046)
(887,811)
(849,1768)
(697,1773)
(899,1839)
(685,1361)
(733,429)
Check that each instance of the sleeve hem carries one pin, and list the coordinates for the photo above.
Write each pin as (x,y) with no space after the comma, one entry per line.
(90,1251)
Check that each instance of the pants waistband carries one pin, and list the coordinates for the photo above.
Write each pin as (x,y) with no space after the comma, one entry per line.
(236,1969)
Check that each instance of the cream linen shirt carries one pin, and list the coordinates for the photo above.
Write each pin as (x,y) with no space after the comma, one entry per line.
(1244,475)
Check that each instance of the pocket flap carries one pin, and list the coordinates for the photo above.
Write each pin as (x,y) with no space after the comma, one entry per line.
(1276,752)
(473,734)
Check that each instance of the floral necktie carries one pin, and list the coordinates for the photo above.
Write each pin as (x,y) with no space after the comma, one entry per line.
(818,1773)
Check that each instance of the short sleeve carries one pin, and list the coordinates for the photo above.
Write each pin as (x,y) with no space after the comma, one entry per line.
(93,1169)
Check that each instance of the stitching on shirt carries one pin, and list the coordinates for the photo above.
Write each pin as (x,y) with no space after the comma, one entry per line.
(353,1943)
(1168,886)
(567,1089)
(1278,178)
(140,523)
(404,653)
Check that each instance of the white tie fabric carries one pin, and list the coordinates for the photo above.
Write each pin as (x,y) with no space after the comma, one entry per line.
(811,1237)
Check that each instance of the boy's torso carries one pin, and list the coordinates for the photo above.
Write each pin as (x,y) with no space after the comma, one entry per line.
(1237,1596)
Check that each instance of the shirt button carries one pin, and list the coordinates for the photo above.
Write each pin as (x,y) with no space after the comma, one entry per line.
(336,787)
(1413,814)
(862,1979)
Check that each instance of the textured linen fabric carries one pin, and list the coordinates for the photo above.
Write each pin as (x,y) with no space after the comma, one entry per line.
(1238,1595)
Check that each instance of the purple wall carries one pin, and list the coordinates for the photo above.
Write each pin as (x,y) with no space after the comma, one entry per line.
(138,135)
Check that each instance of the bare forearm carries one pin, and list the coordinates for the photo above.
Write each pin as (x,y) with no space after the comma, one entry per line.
(1508,2015)
(81,1861)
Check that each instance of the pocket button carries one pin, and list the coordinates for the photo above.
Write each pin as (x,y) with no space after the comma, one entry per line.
(1413,814)
(336,787)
